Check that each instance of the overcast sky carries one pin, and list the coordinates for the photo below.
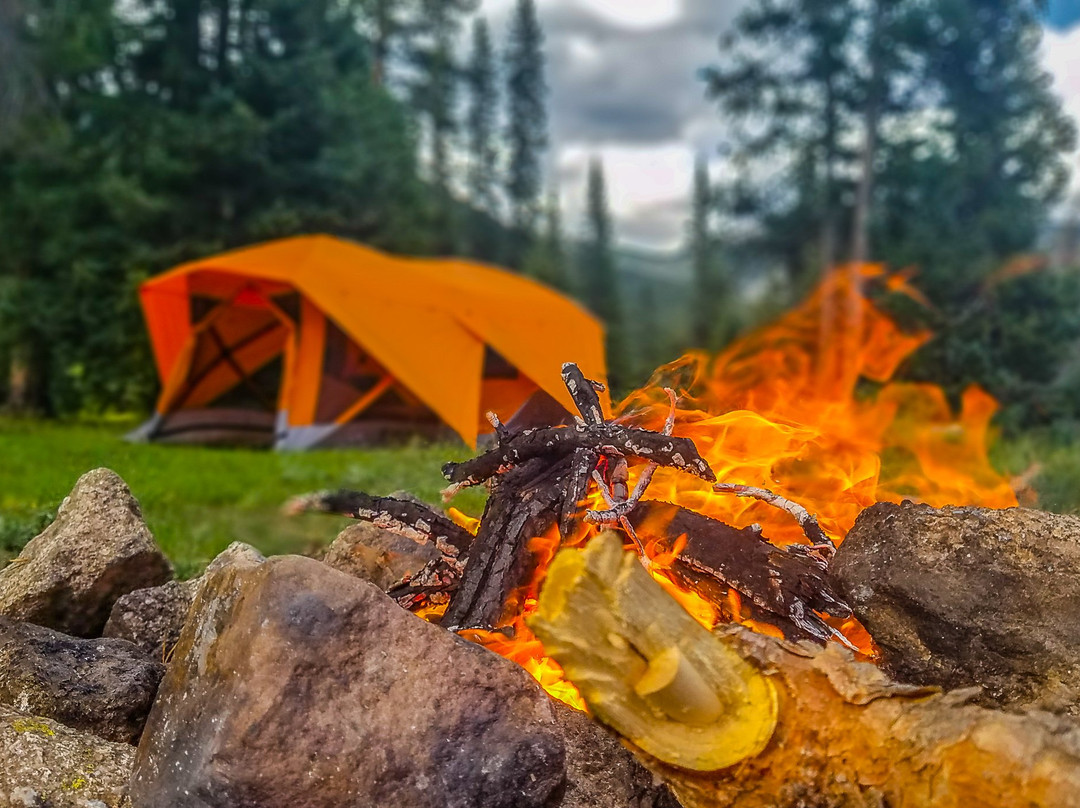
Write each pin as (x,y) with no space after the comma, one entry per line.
(624,86)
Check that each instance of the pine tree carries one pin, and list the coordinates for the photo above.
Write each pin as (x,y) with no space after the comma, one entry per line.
(527,120)
(430,51)
(788,64)
(170,136)
(482,119)
(928,131)
(709,287)
(546,259)
(599,276)
(962,201)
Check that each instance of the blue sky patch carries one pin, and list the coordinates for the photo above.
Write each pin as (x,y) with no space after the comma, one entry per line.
(1063,14)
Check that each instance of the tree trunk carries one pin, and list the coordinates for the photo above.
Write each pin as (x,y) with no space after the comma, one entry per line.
(860,237)
(739,719)
(18,397)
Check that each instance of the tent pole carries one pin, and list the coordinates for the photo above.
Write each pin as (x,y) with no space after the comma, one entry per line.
(366,400)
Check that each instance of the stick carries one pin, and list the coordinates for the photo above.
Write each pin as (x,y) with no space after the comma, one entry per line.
(584,393)
(410,519)
(617,510)
(807,521)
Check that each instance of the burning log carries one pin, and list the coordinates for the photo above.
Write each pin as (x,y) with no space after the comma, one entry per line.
(555,443)
(744,720)
(790,584)
(524,503)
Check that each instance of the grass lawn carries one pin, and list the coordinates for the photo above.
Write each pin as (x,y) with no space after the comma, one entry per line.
(196,500)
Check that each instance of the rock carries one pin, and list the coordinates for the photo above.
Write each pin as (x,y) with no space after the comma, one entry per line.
(601,772)
(962,597)
(238,554)
(44,764)
(297,685)
(101,686)
(373,554)
(153,618)
(97,550)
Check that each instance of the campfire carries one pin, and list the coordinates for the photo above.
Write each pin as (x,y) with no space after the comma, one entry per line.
(726,486)
(733,478)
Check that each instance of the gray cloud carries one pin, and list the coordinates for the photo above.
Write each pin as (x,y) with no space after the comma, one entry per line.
(624,85)
(629,86)
(658,223)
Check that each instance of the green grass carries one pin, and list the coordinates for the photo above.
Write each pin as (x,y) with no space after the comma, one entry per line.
(1050,458)
(198,500)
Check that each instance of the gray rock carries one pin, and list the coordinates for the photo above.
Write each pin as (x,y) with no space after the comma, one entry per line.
(601,772)
(44,764)
(297,685)
(962,597)
(152,618)
(97,550)
(373,554)
(101,686)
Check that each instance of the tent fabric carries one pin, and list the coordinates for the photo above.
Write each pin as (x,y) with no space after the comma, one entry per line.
(342,331)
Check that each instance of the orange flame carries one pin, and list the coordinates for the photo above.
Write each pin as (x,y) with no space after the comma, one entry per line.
(806,408)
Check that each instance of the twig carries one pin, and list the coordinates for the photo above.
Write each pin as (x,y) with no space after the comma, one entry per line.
(584,393)
(819,541)
(501,432)
(621,520)
(618,510)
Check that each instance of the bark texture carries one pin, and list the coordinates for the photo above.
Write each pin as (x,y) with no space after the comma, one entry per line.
(844,734)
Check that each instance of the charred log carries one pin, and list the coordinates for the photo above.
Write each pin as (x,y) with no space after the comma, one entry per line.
(582,464)
(404,517)
(524,503)
(554,444)
(790,584)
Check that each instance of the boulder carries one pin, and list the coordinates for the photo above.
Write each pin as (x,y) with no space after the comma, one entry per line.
(373,554)
(294,684)
(101,686)
(44,764)
(152,618)
(97,550)
(601,772)
(962,597)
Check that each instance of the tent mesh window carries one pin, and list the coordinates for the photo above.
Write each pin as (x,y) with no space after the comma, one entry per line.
(349,373)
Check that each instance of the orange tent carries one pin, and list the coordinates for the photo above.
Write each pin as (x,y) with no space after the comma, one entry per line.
(313,341)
